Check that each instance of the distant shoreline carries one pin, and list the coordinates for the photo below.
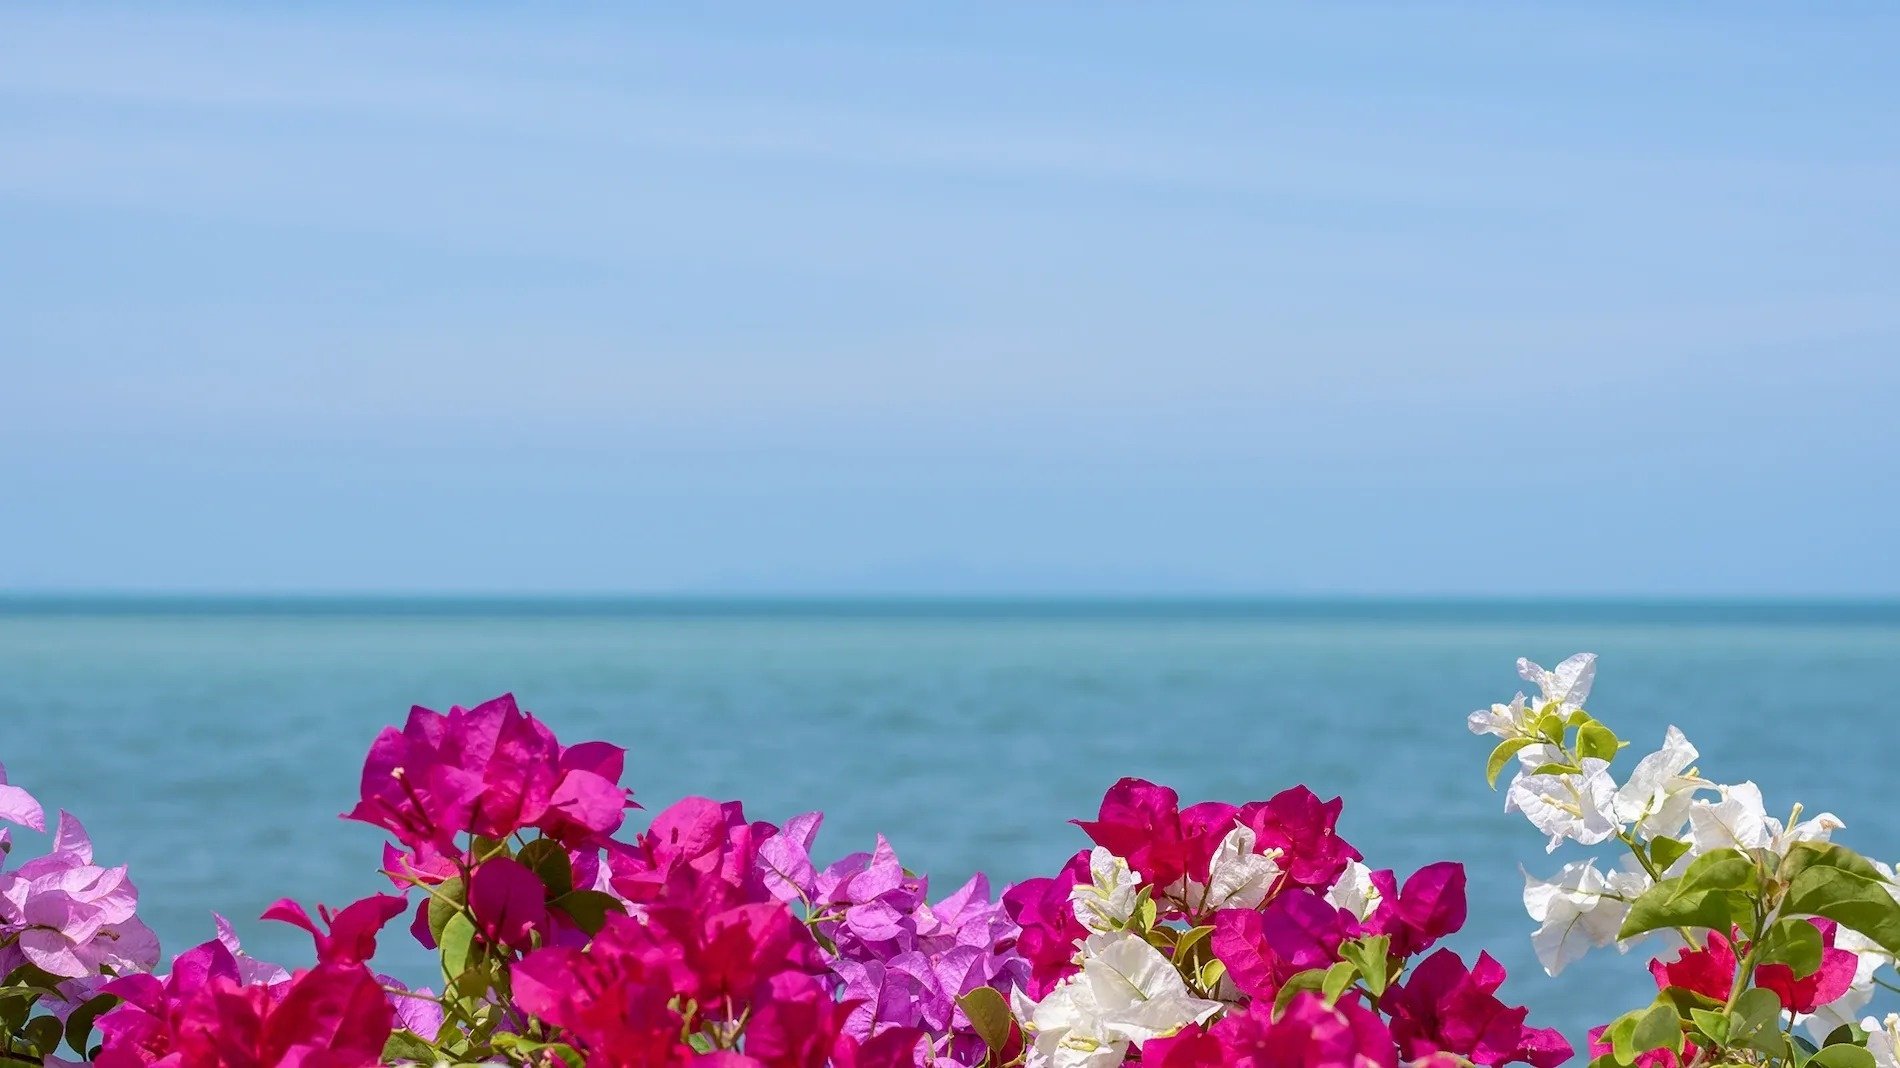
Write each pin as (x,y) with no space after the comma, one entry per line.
(1290,609)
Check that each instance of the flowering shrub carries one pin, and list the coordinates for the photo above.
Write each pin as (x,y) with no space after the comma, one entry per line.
(1196,936)
(1769,936)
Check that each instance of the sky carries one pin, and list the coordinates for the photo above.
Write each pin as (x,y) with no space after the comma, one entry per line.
(1482,299)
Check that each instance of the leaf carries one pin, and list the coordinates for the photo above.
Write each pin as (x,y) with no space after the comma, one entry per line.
(1501,756)
(588,909)
(1715,893)
(43,1033)
(1757,1014)
(79,1022)
(1666,851)
(1658,1028)
(1337,979)
(1832,881)
(1372,956)
(445,900)
(459,946)
(1621,1035)
(1712,1025)
(989,1015)
(1842,1057)
(408,1046)
(1793,941)
(1596,740)
(1308,981)
(548,860)
(1556,769)
(1184,946)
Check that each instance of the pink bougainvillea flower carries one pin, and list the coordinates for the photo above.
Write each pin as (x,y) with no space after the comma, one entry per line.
(1305,830)
(19,807)
(1430,906)
(1143,824)
(1709,971)
(351,935)
(694,847)
(509,903)
(71,917)
(491,770)
(1443,1007)
(1309,1034)
(1810,992)
(1050,932)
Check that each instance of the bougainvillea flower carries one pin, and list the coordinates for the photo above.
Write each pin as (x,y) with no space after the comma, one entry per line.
(1810,992)
(1143,824)
(1430,906)
(509,903)
(1655,1058)
(351,934)
(1443,1007)
(1305,831)
(19,807)
(1041,908)
(1308,1034)
(71,917)
(1709,971)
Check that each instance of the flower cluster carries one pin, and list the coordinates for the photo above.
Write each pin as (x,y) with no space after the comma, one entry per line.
(1250,935)
(1210,935)
(1776,929)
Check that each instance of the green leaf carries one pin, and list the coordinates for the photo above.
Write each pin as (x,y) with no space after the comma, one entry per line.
(1715,893)
(1621,1035)
(445,900)
(1793,941)
(1191,938)
(1501,756)
(989,1014)
(1666,851)
(1596,740)
(79,1022)
(1847,1034)
(1832,881)
(1711,1024)
(1308,981)
(43,1033)
(408,1046)
(1372,957)
(1657,1028)
(588,909)
(1757,1013)
(1842,1057)
(1555,769)
(1337,979)
(459,946)
(548,860)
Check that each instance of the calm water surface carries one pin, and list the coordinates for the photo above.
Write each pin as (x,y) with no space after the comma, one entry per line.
(210,746)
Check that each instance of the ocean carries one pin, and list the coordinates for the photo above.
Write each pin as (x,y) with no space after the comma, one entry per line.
(210,744)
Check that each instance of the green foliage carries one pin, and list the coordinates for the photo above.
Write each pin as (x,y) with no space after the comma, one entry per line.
(1718,891)
(1825,879)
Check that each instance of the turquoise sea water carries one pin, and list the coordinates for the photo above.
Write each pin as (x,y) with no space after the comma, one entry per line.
(210,744)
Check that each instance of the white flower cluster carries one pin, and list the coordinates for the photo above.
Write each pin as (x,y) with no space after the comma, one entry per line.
(1664,798)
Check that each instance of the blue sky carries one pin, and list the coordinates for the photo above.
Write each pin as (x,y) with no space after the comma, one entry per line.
(1471,299)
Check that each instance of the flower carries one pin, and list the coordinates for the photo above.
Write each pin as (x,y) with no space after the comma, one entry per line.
(1567,686)
(351,938)
(1740,821)
(1825,985)
(1238,877)
(1107,901)
(1514,720)
(1355,891)
(1443,1007)
(1657,796)
(1883,1040)
(70,917)
(1575,805)
(1125,994)
(1308,1034)
(1304,830)
(1578,909)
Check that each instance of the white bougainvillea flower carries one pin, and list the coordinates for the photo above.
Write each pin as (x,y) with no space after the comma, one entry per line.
(1883,1040)
(1579,806)
(1738,820)
(1237,876)
(1503,721)
(1578,909)
(1657,796)
(1125,994)
(1354,891)
(1567,685)
(1107,901)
